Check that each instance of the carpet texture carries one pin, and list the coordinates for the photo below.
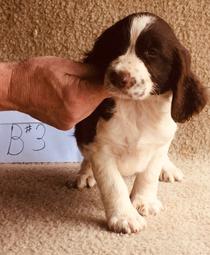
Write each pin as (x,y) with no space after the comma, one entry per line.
(39,215)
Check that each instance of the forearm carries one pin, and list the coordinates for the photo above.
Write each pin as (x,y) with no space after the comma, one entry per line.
(27,86)
(53,90)
(5,77)
(21,90)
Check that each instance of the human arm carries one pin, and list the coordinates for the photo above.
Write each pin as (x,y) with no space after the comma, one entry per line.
(54,90)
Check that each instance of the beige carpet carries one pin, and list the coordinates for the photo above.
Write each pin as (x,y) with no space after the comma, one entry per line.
(38,214)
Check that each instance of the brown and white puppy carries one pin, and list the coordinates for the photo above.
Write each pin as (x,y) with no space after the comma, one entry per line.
(148,73)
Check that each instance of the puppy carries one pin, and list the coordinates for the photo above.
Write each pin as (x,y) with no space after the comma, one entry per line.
(147,71)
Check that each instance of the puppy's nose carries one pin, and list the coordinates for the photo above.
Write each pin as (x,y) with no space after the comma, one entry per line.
(121,79)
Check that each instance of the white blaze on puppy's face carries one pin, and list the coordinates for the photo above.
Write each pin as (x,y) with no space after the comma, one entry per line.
(138,25)
(130,63)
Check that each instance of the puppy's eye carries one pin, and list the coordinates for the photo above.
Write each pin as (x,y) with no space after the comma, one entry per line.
(151,53)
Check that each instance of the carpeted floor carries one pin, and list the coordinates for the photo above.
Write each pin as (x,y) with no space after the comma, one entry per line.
(38,214)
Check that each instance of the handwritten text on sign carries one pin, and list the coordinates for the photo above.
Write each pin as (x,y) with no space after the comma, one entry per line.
(21,132)
(34,141)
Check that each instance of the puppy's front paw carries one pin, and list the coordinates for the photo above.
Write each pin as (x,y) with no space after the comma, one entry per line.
(171,174)
(130,222)
(146,205)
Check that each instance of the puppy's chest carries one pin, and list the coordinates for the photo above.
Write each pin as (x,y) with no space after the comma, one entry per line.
(134,126)
(134,134)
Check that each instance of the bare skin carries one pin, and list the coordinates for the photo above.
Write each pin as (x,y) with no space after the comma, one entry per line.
(54,90)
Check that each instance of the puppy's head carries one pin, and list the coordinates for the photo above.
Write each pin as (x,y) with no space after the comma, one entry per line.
(140,56)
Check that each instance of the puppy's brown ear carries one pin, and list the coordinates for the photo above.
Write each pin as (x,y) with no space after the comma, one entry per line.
(189,96)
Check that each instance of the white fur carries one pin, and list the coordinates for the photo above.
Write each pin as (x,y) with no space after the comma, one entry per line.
(139,24)
(170,173)
(136,68)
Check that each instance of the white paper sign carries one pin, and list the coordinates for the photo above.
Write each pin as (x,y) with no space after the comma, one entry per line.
(24,139)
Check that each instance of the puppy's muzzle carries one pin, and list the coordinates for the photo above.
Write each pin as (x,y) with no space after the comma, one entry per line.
(121,79)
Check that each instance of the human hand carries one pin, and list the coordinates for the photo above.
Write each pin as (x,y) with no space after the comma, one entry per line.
(55,90)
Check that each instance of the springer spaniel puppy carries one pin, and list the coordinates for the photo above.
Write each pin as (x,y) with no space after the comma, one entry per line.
(147,71)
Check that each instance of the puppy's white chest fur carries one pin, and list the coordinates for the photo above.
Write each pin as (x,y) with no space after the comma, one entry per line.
(135,132)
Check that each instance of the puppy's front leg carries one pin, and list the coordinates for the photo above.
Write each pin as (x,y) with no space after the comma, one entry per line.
(122,217)
(144,192)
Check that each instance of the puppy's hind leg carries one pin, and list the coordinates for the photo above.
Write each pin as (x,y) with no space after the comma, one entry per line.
(170,173)
(84,177)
